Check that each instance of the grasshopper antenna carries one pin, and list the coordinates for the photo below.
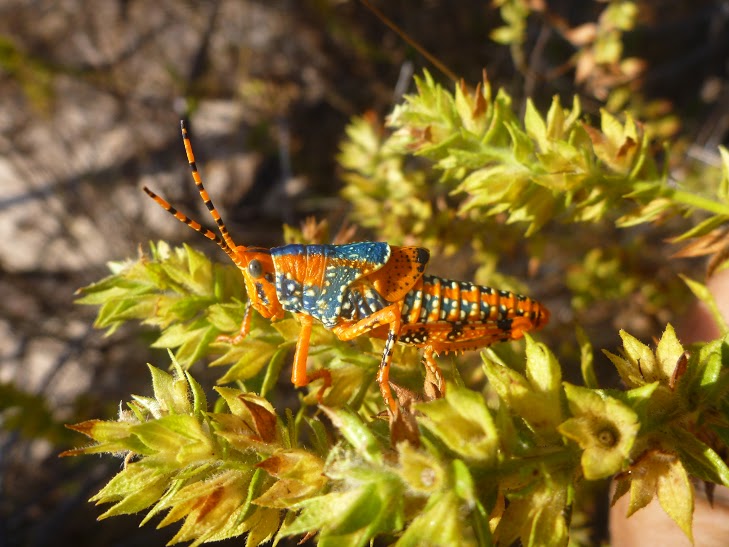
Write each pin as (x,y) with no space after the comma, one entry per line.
(225,242)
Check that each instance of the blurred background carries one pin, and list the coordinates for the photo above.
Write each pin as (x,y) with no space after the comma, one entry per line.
(91,94)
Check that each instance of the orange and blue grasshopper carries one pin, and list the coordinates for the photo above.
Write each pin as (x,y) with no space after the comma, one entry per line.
(368,288)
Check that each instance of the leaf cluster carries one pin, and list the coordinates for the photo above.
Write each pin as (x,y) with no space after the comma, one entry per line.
(556,166)
(242,468)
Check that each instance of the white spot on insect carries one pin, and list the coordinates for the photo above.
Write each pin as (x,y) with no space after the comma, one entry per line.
(310,293)
(290,286)
(347,306)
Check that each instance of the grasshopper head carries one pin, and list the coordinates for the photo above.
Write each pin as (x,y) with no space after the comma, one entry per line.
(259,274)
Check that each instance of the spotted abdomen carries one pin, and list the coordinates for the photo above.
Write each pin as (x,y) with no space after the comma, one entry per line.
(456,315)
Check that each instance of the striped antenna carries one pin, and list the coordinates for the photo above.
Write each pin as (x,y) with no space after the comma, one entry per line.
(226,242)
(200,188)
(191,223)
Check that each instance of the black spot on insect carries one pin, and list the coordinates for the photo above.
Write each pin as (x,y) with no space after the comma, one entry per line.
(421,257)
(504,294)
(456,331)
(421,336)
(261,294)
(504,324)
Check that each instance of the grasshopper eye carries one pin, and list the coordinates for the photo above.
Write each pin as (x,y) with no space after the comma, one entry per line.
(255,268)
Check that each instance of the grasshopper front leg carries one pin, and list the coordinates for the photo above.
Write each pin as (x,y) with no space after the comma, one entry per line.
(299,376)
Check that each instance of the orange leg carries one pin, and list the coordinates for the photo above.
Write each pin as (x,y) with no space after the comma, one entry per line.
(298,372)
(386,316)
(299,377)
(245,328)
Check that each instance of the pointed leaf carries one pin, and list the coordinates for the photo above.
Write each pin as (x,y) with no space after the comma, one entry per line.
(356,433)
(462,414)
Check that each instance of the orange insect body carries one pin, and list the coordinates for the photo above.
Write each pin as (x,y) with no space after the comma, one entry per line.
(367,288)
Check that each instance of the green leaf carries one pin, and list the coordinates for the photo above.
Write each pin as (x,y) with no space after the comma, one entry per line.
(639,366)
(668,352)
(702,292)
(539,517)
(175,440)
(300,475)
(545,376)
(441,522)
(248,358)
(662,474)
(704,371)
(586,359)
(357,434)
(641,358)
(723,191)
(171,393)
(135,488)
(521,398)
(548,524)
(210,508)
(676,496)
(191,340)
(112,437)
(462,414)
(698,458)
(352,517)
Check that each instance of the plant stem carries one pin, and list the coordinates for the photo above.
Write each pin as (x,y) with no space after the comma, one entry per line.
(693,200)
